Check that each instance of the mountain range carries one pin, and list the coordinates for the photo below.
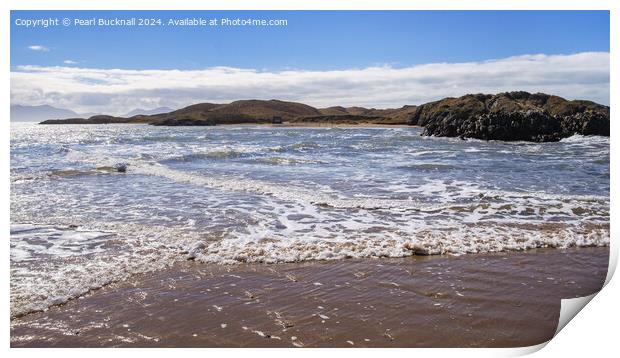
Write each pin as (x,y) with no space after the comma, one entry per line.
(39,113)
(20,113)
(148,112)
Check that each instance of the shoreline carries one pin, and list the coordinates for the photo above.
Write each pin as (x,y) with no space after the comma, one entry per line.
(341,125)
(482,300)
(270,125)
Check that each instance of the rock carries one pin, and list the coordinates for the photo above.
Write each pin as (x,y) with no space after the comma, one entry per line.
(513,116)
(417,249)
(586,123)
(195,249)
(121,167)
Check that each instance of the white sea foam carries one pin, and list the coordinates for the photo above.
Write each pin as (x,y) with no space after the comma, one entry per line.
(454,195)
(36,287)
(287,193)
(272,247)
(30,242)
(329,194)
(582,139)
(109,252)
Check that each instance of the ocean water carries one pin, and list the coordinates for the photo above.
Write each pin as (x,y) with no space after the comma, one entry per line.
(231,194)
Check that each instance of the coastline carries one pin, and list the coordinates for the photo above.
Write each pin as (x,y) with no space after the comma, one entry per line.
(507,116)
(339,125)
(259,176)
(507,299)
(271,125)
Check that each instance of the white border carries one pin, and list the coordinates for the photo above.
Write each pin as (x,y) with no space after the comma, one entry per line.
(593,330)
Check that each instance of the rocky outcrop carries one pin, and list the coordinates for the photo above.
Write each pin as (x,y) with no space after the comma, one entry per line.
(512,116)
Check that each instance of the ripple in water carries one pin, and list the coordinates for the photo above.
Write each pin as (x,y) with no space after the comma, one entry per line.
(258,194)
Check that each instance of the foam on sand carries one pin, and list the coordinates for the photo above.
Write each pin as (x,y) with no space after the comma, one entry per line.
(51,265)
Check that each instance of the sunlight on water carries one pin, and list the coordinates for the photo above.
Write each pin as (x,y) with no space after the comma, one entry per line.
(261,194)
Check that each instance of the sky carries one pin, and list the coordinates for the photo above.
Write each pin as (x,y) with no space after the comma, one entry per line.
(369,58)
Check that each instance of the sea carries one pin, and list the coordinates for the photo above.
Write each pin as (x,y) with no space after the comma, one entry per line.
(97,204)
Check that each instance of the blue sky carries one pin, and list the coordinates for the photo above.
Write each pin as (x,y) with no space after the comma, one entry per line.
(375,59)
(313,40)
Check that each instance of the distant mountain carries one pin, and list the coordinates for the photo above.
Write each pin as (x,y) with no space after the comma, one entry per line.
(39,113)
(148,112)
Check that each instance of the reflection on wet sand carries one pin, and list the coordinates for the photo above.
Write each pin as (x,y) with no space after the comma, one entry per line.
(486,300)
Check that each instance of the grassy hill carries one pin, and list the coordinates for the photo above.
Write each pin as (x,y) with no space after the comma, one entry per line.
(256,111)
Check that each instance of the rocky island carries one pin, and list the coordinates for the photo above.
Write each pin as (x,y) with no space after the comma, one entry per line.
(512,116)
(508,116)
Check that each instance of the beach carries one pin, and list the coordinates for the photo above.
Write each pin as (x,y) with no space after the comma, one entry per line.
(325,178)
(487,300)
(269,236)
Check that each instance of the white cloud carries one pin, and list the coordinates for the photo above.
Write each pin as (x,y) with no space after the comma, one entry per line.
(38,48)
(69,62)
(577,76)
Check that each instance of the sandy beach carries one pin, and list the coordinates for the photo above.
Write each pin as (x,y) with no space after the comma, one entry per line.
(487,300)
(336,125)
(245,237)
(325,178)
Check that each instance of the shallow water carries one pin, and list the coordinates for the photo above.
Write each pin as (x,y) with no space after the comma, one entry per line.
(262,194)
(487,300)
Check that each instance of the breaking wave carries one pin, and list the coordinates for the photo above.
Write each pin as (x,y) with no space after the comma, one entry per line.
(231,195)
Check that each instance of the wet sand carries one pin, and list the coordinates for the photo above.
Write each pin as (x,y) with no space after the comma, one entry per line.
(486,300)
